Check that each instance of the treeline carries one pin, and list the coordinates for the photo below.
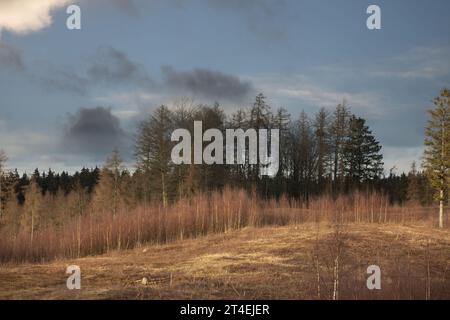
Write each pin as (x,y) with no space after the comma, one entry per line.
(331,153)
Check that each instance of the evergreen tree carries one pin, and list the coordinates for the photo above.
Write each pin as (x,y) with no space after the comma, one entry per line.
(260,113)
(212,176)
(437,149)
(413,192)
(362,158)
(260,117)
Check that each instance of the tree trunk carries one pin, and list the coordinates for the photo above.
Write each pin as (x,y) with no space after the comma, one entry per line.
(441,209)
(1,174)
(336,279)
(164,194)
(32,228)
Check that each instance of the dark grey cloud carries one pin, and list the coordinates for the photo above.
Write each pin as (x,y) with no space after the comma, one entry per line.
(10,57)
(207,83)
(94,132)
(63,80)
(113,66)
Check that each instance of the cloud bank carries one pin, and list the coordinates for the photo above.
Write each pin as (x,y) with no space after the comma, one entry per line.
(207,83)
(112,68)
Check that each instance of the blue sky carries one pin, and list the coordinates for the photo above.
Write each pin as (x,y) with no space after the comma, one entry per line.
(130,56)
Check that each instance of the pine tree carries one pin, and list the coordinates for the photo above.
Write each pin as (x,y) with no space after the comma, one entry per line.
(260,117)
(362,158)
(413,192)
(212,176)
(437,149)
(260,113)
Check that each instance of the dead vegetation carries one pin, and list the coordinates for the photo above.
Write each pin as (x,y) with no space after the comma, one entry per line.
(291,262)
(233,245)
(219,212)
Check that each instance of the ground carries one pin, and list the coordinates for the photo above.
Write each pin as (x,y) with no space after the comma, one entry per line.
(254,263)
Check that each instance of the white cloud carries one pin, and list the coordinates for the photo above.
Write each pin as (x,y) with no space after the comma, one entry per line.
(401,158)
(128,105)
(25,16)
(20,144)
(422,63)
(417,63)
(327,97)
(2,125)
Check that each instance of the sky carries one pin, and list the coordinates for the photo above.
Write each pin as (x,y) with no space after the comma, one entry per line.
(68,97)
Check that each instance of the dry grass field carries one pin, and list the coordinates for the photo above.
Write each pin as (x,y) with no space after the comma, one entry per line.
(288,262)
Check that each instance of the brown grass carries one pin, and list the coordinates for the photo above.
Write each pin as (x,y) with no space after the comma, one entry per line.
(219,212)
(254,263)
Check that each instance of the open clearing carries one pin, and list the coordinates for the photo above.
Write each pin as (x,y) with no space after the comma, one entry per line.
(253,263)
